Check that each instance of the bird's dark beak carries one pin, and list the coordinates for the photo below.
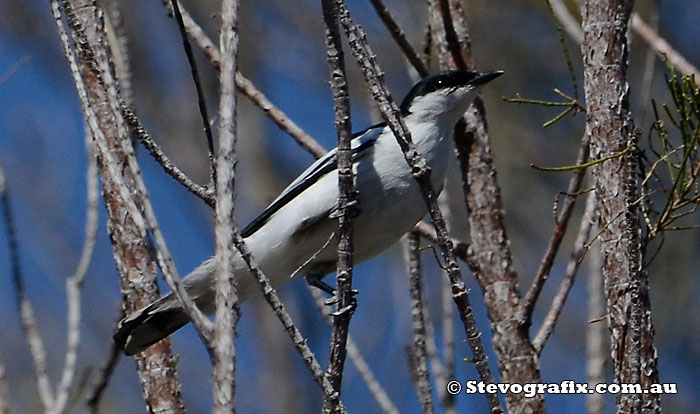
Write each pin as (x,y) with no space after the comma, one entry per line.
(485,77)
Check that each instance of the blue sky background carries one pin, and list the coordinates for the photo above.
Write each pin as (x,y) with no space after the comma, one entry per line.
(43,157)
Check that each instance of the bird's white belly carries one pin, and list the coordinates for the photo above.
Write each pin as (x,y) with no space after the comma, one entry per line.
(389,203)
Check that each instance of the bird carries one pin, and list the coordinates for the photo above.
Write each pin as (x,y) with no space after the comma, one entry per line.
(293,235)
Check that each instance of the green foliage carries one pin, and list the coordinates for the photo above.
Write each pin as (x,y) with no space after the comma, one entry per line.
(671,185)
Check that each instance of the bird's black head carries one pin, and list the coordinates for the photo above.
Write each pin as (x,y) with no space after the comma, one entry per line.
(447,80)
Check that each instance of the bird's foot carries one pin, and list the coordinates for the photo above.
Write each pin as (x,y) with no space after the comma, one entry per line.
(315,281)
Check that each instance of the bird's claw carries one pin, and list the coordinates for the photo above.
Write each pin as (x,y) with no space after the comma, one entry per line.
(347,310)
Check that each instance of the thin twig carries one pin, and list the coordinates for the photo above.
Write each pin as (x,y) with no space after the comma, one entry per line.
(650,36)
(201,101)
(74,284)
(390,111)
(597,342)
(203,192)
(400,38)
(527,304)
(31,330)
(226,298)
(564,47)
(10,72)
(443,373)
(461,249)
(248,88)
(344,299)
(363,368)
(417,354)
(580,249)
(662,47)
(567,20)
(105,374)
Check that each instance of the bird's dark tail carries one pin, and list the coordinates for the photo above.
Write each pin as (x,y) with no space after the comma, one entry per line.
(149,325)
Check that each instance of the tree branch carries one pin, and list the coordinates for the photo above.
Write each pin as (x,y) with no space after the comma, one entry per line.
(280,311)
(390,112)
(346,207)
(29,324)
(417,354)
(517,361)
(400,38)
(365,371)
(74,284)
(5,407)
(609,123)
(527,304)
(201,101)
(248,88)
(577,255)
(226,297)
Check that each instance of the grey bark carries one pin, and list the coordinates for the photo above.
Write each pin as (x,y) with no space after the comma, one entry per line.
(611,129)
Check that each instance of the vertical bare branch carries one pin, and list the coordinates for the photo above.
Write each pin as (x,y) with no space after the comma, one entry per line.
(74,284)
(227,306)
(596,338)
(390,111)
(609,123)
(357,359)
(29,324)
(448,336)
(417,354)
(345,302)
(98,96)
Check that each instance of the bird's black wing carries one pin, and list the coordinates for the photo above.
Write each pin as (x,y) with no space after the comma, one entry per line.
(324,165)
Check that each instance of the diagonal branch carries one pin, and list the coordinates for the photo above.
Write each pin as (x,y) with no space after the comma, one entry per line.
(662,47)
(278,308)
(201,102)
(400,38)
(647,33)
(527,304)
(248,88)
(577,255)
